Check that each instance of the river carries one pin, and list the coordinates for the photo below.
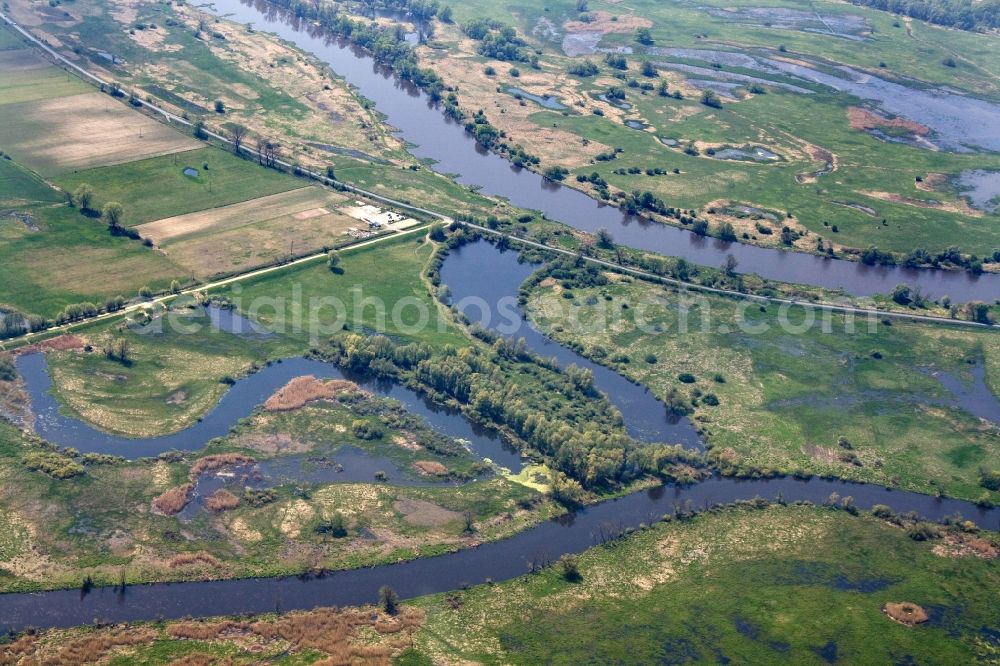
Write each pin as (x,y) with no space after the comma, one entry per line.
(501,560)
(453,151)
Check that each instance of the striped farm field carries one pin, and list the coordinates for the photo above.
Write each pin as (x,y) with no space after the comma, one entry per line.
(63,134)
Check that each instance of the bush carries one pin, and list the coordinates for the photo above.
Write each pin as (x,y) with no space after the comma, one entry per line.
(8,372)
(56,465)
(365,430)
(687,378)
(570,566)
(651,359)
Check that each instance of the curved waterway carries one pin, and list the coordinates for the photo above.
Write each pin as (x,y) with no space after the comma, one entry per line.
(501,560)
(498,561)
(453,151)
(490,299)
(239,402)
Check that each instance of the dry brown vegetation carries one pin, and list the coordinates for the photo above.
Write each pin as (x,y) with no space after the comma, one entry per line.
(96,646)
(173,501)
(332,631)
(221,500)
(199,559)
(363,636)
(212,463)
(956,544)
(431,468)
(905,613)
(605,22)
(302,390)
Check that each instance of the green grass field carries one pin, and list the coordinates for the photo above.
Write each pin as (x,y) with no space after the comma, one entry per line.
(18,186)
(156,188)
(788,392)
(72,259)
(784,122)
(387,272)
(792,584)
(90,385)
(26,77)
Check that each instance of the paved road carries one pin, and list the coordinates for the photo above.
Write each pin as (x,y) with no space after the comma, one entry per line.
(173,118)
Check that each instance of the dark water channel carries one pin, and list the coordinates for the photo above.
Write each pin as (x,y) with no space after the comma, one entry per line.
(453,151)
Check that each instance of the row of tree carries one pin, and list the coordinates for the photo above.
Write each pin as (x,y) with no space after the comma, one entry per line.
(559,414)
(977,15)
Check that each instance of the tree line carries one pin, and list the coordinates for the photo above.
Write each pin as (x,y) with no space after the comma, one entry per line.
(973,15)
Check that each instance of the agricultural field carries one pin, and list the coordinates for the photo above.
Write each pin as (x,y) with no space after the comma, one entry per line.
(784,143)
(789,388)
(67,134)
(27,77)
(54,256)
(255,232)
(221,368)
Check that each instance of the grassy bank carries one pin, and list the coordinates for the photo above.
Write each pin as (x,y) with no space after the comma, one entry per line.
(787,391)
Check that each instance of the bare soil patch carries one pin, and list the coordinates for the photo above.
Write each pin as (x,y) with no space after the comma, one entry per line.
(58,135)
(431,468)
(905,613)
(303,390)
(425,514)
(965,545)
(962,208)
(863,119)
(605,22)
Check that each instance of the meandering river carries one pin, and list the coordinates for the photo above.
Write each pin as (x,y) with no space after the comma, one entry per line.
(453,151)
(572,533)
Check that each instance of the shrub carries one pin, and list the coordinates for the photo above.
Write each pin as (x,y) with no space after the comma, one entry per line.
(570,566)
(687,378)
(365,430)
(56,465)
(8,372)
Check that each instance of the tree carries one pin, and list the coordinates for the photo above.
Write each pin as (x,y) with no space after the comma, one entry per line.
(710,98)
(388,600)
(570,566)
(83,196)
(978,311)
(644,36)
(333,261)
(726,232)
(220,106)
(175,287)
(604,238)
(113,213)
(649,69)
(236,134)
(902,294)
(437,232)
(729,265)
(445,14)
(581,5)
(118,350)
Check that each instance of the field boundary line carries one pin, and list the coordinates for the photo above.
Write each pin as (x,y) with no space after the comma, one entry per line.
(170,117)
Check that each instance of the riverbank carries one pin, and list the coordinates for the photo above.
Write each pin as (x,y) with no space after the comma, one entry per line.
(800,552)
